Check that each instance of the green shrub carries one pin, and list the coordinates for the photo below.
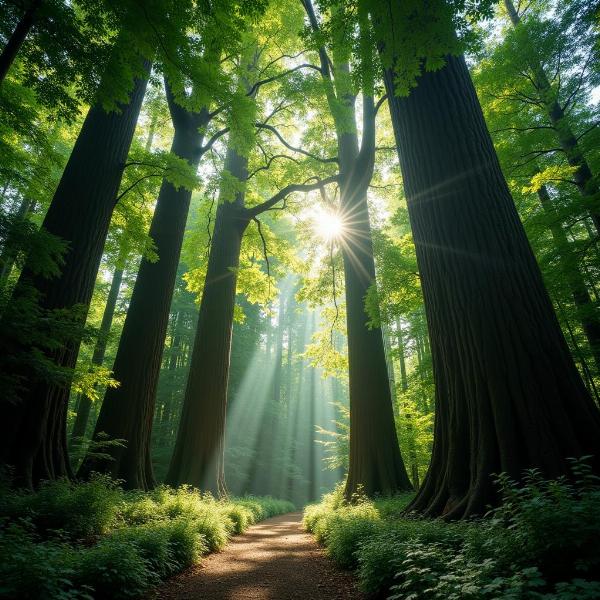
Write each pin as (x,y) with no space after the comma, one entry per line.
(83,540)
(152,541)
(80,510)
(186,543)
(263,507)
(543,521)
(32,568)
(382,555)
(542,542)
(114,568)
(241,516)
(140,508)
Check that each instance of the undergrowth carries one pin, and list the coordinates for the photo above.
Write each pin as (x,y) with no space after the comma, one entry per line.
(543,542)
(94,540)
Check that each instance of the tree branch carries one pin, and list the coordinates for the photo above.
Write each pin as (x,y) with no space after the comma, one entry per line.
(265,253)
(253,211)
(281,75)
(380,103)
(213,139)
(268,164)
(293,148)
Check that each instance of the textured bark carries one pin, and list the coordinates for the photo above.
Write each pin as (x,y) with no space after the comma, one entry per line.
(198,454)
(508,395)
(33,431)
(586,311)
(127,412)
(568,141)
(84,404)
(17,38)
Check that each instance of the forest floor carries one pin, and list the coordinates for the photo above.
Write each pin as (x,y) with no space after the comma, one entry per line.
(274,560)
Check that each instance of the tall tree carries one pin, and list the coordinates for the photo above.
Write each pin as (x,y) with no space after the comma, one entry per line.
(198,455)
(33,428)
(84,403)
(508,396)
(376,465)
(16,39)
(127,411)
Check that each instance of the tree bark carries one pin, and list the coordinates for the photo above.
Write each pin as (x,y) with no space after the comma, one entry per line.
(508,395)
(33,431)
(15,41)
(198,455)
(84,404)
(127,412)
(376,465)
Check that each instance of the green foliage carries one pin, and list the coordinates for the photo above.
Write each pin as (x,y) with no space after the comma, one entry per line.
(114,568)
(541,542)
(83,540)
(79,510)
(33,568)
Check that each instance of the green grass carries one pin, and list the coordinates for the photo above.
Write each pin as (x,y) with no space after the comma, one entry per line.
(542,542)
(94,540)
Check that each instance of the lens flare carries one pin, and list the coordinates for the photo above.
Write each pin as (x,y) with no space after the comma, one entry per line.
(328,225)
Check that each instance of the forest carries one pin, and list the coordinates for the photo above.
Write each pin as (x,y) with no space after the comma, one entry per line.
(300,299)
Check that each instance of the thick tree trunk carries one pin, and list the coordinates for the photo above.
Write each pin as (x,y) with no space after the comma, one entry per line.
(84,404)
(15,41)
(508,395)
(127,412)
(198,454)
(33,432)
(581,297)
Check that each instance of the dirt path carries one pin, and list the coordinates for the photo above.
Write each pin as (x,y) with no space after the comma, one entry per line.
(274,560)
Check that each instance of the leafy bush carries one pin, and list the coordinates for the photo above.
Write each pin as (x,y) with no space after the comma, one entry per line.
(263,507)
(31,568)
(79,510)
(93,539)
(114,568)
(542,542)
(383,554)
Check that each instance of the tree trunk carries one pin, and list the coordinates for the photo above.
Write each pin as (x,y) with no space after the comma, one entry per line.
(402,357)
(277,372)
(583,178)
(33,432)
(376,465)
(508,395)
(15,41)
(84,404)
(581,297)
(198,454)
(127,412)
